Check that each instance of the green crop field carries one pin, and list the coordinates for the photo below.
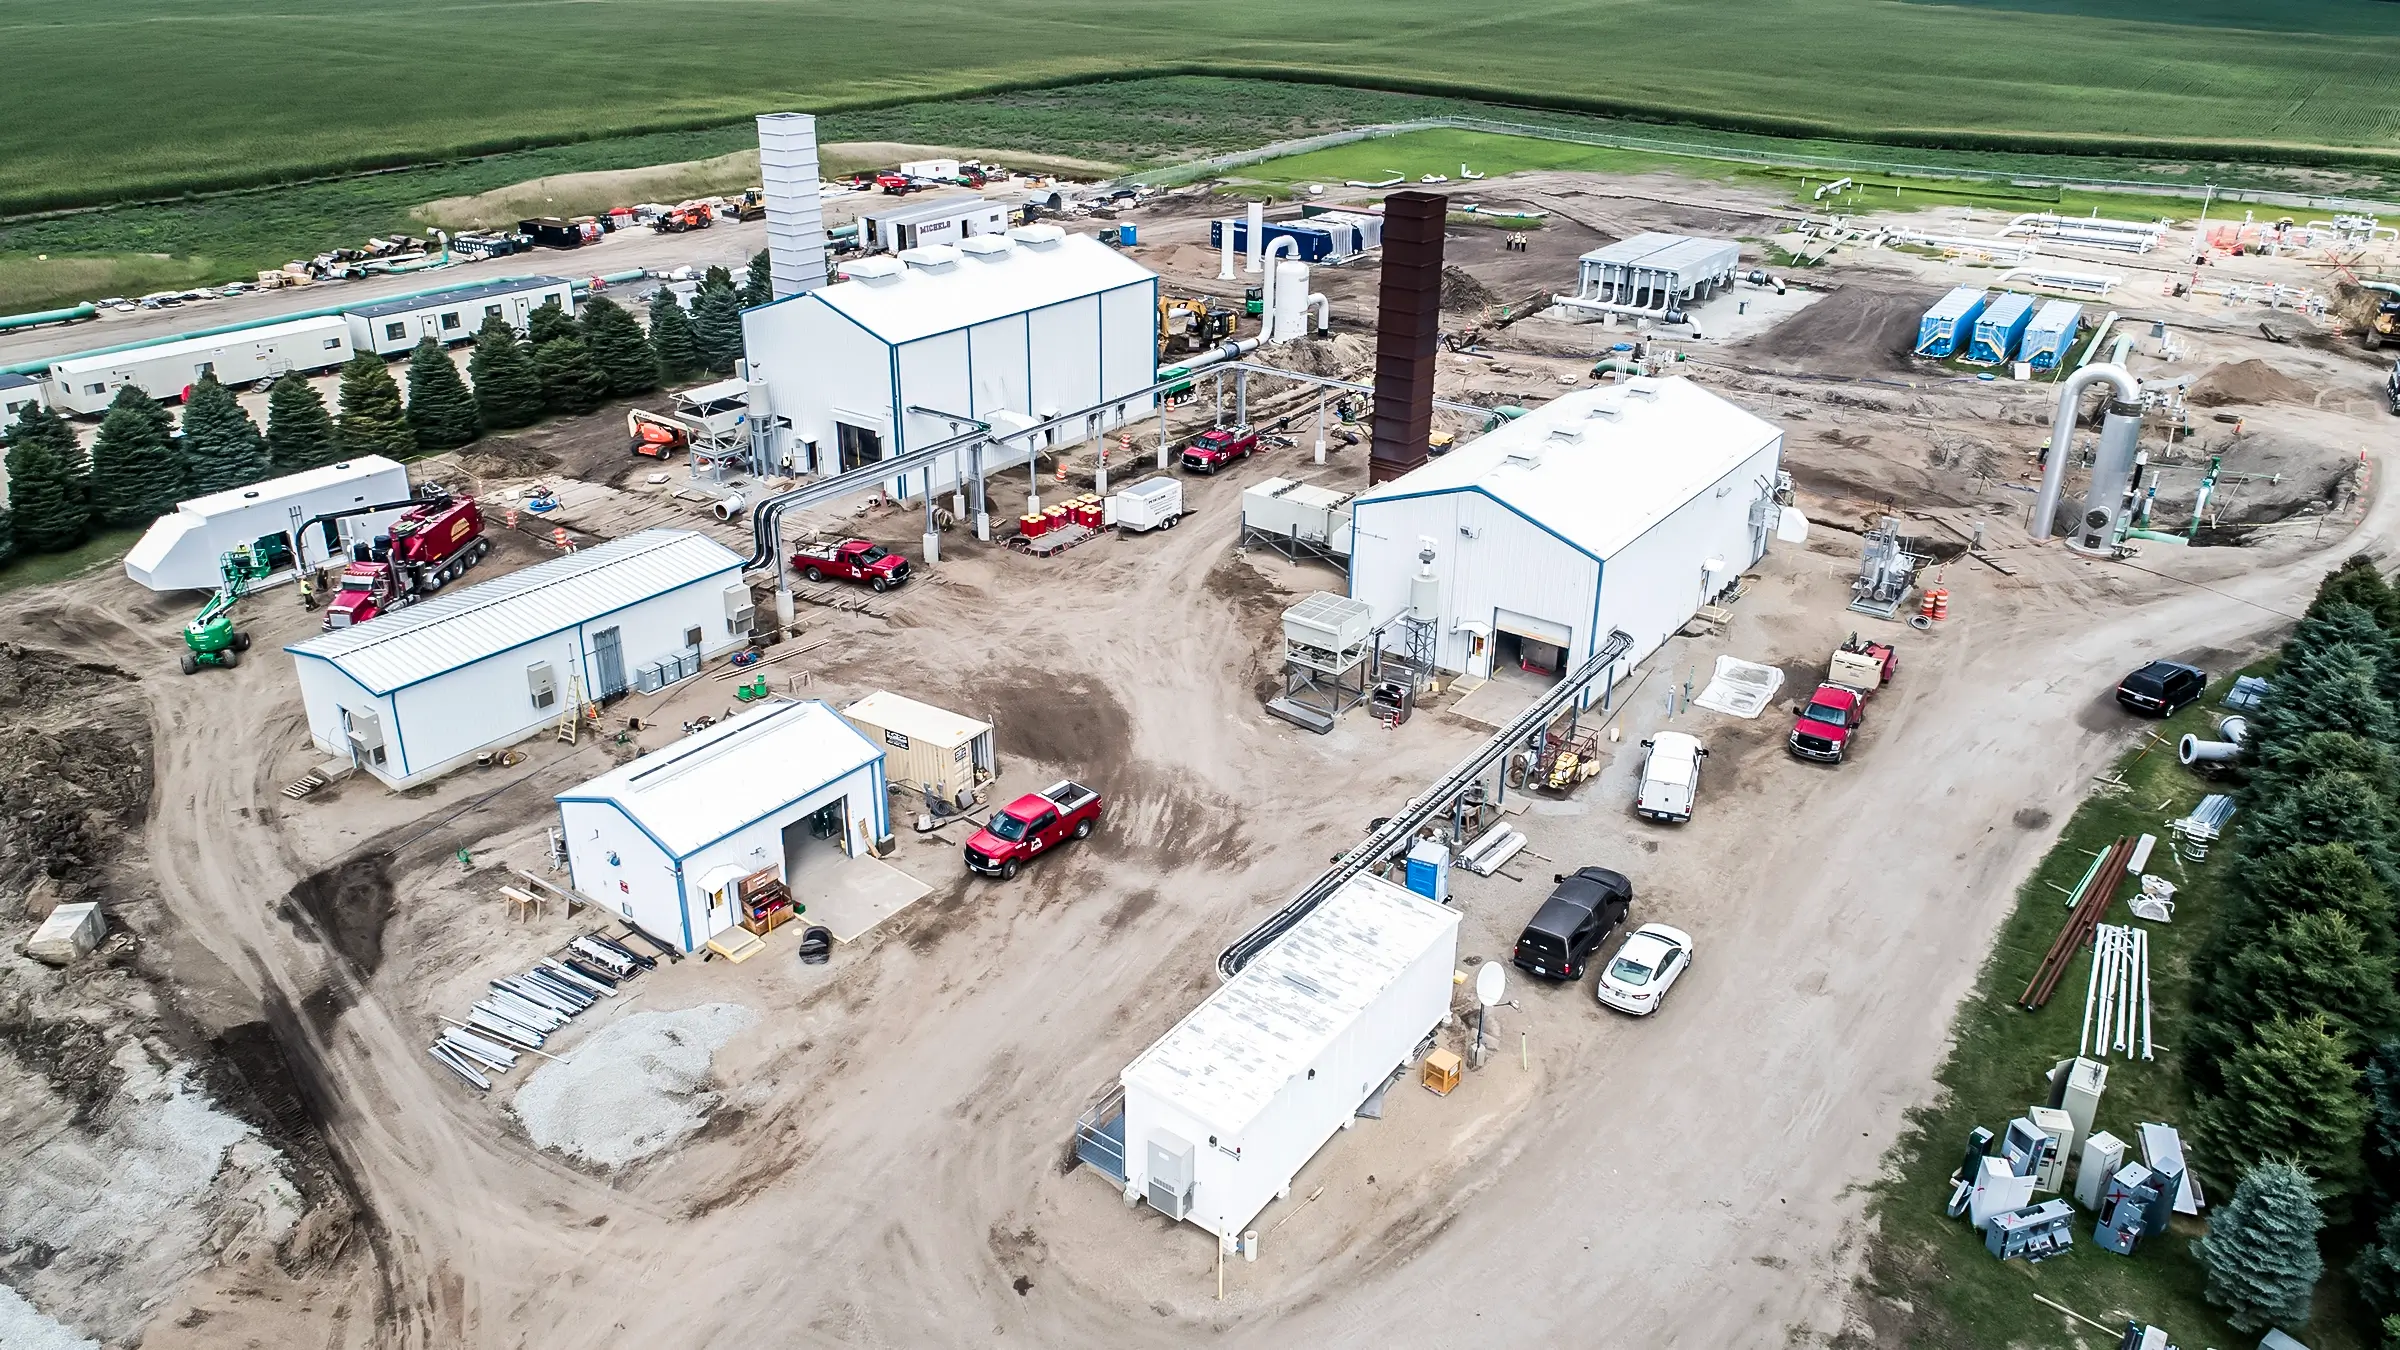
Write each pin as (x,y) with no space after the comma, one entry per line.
(139,98)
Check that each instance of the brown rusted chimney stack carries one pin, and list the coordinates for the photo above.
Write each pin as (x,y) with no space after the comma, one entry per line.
(1408,326)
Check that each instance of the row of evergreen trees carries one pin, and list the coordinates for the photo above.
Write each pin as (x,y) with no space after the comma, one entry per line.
(137,468)
(2294,1044)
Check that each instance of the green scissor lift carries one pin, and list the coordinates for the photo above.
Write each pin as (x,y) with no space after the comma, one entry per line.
(210,639)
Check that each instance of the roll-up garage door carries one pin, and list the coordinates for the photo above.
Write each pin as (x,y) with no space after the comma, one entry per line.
(1526,626)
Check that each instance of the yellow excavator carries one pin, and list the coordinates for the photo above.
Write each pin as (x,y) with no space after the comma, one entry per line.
(1189,324)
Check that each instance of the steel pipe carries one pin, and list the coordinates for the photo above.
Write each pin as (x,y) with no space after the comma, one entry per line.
(2192,750)
(2062,434)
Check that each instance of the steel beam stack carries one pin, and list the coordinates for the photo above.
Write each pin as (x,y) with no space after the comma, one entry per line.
(2090,906)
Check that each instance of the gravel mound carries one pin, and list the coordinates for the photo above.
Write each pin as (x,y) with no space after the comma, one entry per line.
(636,1088)
(25,1327)
(2249,382)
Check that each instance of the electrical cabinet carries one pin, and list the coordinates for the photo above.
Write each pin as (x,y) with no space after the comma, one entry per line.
(2103,1155)
(541,684)
(2050,1175)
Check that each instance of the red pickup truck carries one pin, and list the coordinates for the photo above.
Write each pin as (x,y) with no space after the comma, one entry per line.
(852,560)
(1824,727)
(1213,450)
(1032,825)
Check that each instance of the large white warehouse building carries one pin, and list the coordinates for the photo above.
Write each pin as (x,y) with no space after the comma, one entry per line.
(666,839)
(1009,329)
(183,551)
(419,691)
(1623,507)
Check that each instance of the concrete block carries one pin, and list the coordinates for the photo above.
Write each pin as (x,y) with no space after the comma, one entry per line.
(68,935)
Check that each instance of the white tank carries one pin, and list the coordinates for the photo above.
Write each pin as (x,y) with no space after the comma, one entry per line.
(1291,300)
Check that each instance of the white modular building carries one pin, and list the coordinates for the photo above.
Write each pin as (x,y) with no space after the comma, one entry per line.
(182,551)
(17,392)
(163,370)
(1622,507)
(664,839)
(419,691)
(946,220)
(1227,1107)
(1007,329)
(393,327)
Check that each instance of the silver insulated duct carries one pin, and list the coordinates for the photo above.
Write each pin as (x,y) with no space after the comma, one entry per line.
(2113,466)
(787,172)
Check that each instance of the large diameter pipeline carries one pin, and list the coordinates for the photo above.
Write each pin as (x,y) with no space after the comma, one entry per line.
(2062,435)
(2192,750)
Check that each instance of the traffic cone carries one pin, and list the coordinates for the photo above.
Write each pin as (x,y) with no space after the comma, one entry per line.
(1062,468)
(558,536)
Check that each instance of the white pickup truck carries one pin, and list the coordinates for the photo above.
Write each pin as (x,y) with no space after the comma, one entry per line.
(1670,777)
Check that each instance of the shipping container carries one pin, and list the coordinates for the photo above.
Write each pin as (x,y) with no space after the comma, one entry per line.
(1310,241)
(2051,334)
(2000,328)
(164,370)
(1951,321)
(930,750)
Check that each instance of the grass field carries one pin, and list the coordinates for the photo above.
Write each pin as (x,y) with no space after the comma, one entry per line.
(1949,1291)
(244,92)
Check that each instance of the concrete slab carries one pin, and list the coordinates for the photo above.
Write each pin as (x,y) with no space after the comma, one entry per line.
(850,895)
(1494,702)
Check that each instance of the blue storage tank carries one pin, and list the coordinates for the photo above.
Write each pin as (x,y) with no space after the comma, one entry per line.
(2051,334)
(1310,243)
(2000,329)
(1945,327)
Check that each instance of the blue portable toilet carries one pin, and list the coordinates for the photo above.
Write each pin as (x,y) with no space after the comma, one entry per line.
(2051,335)
(2000,329)
(1945,326)
(1429,870)
(1125,235)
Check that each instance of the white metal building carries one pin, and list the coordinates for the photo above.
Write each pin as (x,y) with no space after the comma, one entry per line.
(662,840)
(85,384)
(945,220)
(17,391)
(393,327)
(419,691)
(1224,1110)
(180,552)
(1626,506)
(928,750)
(1009,329)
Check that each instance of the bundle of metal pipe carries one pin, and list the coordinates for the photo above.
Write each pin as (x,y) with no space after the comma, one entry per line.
(2090,902)
(2116,999)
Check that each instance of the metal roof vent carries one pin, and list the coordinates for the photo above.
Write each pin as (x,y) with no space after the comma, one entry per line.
(1607,412)
(930,257)
(874,271)
(1641,389)
(1531,456)
(1038,236)
(987,247)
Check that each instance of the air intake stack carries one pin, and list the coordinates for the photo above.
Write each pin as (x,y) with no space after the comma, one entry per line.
(787,172)
(1408,330)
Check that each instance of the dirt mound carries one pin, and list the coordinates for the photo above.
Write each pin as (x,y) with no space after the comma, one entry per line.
(74,795)
(1460,290)
(506,458)
(1855,327)
(1348,354)
(2249,382)
(31,678)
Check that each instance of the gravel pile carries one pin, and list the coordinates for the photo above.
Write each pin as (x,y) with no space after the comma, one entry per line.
(636,1088)
(25,1327)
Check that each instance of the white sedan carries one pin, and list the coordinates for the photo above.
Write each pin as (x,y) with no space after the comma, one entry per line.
(1645,968)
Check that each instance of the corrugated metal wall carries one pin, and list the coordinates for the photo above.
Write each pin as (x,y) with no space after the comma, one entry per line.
(1488,557)
(1653,586)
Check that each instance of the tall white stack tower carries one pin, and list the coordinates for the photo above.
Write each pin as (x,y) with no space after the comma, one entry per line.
(787,167)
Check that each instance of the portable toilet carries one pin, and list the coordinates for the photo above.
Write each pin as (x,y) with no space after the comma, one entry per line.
(2000,328)
(1429,870)
(1946,326)
(2051,334)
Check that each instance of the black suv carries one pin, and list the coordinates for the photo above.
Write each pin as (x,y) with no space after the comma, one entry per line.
(1579,915)
(2162,688)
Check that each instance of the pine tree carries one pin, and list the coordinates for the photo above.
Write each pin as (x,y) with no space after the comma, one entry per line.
(137,474)
(671,336)
(2260,1251)
(2306,963)
(716,276)
(300,434)
(2382,1078)
(46,491)
(717,323)
(547,323)
(507,391)
(139,400)
(372,420)
(2377,1269)
(618,347)
(222,447)
(2332,806)
(759,287)
(8,534)
(441,413)
(2290,1092)
(571,382)
(2358,582)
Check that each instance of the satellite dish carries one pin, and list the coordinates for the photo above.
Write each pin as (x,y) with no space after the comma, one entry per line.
(1491,983)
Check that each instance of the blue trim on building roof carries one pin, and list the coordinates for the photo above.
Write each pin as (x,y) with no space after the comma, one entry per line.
(1479,490)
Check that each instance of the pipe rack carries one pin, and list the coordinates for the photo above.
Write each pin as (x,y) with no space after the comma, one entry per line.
(1398,831)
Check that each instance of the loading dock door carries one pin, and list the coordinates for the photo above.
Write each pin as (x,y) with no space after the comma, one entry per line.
(608,664)
(1535,645)
(858,446)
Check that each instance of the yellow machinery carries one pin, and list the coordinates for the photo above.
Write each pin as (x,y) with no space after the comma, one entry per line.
(1188,324)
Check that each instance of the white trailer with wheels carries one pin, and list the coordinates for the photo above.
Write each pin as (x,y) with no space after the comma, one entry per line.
(85,384)
(1151,504)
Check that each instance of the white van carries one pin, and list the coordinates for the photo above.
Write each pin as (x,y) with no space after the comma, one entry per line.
(1670,777)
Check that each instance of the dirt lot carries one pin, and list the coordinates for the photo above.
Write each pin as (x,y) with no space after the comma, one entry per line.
(883,1160)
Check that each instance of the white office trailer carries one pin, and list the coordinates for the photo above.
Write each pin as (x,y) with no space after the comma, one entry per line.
(393,327)
(1622,507)
(1227,1107)
(183,550)
(787,176)
(17,393)
(421,690)
(1653,274)
(85,384)
(946,220)
(1008,329)
(665,839)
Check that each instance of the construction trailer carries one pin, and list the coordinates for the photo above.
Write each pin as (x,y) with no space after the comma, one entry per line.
(165,370)
(1225,1109)
(393,327)
(2000,329)
(2050,334)
(19,392)
(1312,240)
(180,550)
(940,754)
(419,691)
(1009,330)
(1622,507)
(946,220)
(1654,273)
(947,170)
(668,839)
(1948,324)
